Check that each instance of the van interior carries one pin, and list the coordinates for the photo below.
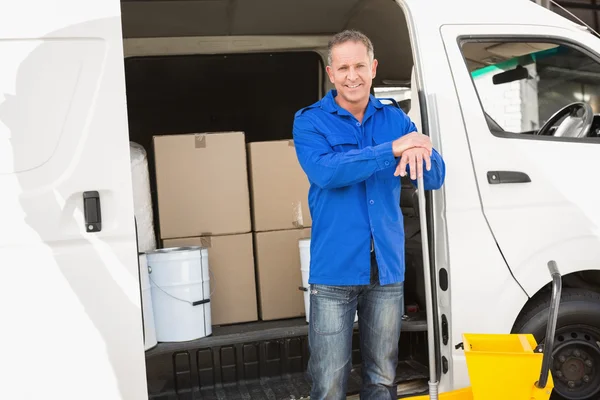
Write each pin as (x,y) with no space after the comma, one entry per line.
(225,65)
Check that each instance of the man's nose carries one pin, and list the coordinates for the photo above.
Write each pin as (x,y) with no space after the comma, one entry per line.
(352,75)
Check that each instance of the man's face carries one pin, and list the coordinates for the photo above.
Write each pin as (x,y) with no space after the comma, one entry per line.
(351,71)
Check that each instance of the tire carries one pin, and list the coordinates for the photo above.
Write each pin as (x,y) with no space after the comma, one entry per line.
(576,353)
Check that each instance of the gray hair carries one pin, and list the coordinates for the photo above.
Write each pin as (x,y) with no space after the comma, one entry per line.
(349,35)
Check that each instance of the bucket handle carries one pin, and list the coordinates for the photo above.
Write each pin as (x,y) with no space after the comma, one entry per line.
(193,303)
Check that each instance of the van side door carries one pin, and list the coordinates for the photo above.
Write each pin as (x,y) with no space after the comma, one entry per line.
(529,103)
(70,298)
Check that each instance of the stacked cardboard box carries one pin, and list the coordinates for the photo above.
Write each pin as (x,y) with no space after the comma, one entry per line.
(280,218)
(203,200)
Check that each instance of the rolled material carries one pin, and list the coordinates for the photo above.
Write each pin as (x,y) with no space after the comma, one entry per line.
(142,200)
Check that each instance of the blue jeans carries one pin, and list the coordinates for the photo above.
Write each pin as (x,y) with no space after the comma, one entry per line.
(332,311)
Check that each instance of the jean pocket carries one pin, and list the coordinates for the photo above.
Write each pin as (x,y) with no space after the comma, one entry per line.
(329,307)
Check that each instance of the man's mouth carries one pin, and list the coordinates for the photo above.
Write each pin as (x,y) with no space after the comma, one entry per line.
(353,86)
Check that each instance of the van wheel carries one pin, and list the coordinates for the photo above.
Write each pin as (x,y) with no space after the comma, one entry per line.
(576,353)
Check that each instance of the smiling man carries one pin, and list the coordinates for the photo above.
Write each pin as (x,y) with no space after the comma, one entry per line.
(353,148)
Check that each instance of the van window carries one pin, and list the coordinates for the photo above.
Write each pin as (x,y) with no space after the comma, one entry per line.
(544,89)
(400,94)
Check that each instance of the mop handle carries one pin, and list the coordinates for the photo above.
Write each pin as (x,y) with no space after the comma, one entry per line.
(551,328)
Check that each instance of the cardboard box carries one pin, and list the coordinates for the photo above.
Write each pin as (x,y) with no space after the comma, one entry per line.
(202,184)
(232,279)
(278,273)
(279,187)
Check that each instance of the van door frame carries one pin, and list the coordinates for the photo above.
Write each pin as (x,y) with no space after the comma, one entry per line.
(433,202)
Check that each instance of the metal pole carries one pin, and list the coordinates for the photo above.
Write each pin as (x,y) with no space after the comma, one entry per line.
(433,384)
(551,327)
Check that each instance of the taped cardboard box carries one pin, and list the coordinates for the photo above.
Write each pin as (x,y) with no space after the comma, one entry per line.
(202,184)
(232,280)
(279,187)
(278,273)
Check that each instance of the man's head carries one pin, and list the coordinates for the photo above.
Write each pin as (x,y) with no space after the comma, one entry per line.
(351,66)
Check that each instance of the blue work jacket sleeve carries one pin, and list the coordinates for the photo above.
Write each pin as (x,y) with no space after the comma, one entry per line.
(434,178)
(330,169)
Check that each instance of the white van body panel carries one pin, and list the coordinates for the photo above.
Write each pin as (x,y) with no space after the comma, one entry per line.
(464,244)
(473,11)
(483,297)
(70,299)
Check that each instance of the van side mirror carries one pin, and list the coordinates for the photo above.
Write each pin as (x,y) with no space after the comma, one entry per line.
(512,75)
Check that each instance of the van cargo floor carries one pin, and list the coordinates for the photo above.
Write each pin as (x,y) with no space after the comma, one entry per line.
(263,360)
(290,386)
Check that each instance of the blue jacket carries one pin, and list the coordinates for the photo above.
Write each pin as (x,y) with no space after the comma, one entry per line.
(354,196)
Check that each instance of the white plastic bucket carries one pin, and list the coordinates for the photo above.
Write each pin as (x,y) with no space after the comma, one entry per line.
(304,246)
(180,293)
(147,309)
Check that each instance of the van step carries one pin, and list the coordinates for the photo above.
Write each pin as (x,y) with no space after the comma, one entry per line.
(263,360)
(418,387)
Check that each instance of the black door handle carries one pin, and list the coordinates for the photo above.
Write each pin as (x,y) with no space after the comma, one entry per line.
(498,177)
(91,211)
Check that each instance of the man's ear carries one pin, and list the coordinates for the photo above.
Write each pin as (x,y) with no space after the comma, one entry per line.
(374,68)
(329,73)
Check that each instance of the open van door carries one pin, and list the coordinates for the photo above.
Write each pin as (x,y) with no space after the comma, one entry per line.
(71,324)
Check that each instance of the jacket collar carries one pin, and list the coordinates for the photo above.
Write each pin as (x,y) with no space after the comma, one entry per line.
(328,103)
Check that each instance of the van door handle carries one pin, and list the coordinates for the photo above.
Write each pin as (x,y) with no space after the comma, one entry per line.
(92,212)
(498,177)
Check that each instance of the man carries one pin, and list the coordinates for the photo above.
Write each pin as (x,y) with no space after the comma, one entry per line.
(353,148)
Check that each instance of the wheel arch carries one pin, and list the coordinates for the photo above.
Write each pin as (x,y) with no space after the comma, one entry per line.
(576,353)
(584,280)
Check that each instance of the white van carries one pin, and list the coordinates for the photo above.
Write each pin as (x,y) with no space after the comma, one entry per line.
(507,90)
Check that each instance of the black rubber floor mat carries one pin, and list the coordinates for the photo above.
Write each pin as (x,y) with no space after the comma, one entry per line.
(289,387)
(261,361)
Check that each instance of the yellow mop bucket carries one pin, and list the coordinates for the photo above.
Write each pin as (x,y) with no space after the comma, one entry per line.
(507,366)
(504,366)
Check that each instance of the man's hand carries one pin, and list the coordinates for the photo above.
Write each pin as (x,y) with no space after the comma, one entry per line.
(414,158)
(413,139)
